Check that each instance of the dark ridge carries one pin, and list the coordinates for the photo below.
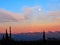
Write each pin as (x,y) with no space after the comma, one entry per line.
(8,40)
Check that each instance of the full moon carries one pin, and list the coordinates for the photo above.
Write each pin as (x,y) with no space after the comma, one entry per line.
(39,9)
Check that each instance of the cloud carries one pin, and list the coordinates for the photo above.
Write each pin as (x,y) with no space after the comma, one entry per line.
(53,16)
(30,14)
(6,16)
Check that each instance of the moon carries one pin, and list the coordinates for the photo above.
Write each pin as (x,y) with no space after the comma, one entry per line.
(39,9)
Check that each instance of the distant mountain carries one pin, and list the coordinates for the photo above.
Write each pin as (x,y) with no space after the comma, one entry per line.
(34,36)
(53,34)
(28,36)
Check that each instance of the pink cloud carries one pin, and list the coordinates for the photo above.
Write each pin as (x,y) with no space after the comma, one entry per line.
(32,14)
(54,16)
(9,16)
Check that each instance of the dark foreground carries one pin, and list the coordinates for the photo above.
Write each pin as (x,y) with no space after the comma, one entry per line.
(49,42)
(8,40)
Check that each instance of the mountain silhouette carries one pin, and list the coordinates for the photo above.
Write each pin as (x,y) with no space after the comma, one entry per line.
(29,38)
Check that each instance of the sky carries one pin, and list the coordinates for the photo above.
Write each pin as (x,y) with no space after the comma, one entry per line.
(29,15)
(16,5)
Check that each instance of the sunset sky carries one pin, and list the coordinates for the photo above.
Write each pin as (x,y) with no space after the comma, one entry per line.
(29,15)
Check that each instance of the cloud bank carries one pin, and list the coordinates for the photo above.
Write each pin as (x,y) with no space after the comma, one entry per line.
(6,16)
(31,14)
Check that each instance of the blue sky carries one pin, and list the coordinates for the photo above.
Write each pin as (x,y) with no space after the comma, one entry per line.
(16,5)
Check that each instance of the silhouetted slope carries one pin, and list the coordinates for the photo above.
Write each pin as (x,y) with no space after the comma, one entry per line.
(34,36)
(12,41)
